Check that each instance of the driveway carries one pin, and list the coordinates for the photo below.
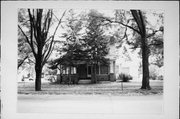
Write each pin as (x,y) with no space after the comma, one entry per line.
(90,104)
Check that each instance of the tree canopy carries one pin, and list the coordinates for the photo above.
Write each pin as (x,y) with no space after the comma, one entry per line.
(85,39)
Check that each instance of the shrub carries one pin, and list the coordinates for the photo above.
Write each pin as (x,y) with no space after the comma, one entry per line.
(50,78)
(152,76)
(125,77)
(155,73)
(160,77)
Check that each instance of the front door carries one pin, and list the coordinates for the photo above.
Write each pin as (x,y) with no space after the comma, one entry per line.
(82,71)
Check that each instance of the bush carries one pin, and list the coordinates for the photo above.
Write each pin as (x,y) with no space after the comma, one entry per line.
(125,77)
(152,76)
(155,73)
(50,78)
(160,77)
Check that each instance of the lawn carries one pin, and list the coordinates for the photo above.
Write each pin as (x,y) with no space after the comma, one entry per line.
(131,88)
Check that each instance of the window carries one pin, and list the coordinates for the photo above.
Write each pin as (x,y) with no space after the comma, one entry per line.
(66,70)
(73,70)
(97,69)
(103,69)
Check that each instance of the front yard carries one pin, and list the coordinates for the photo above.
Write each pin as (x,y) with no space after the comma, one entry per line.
(102,88)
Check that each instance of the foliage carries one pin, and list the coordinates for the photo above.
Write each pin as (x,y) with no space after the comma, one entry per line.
(154,35)
(155,72)
(95,41)
(125,77)
(154,76)
(84,39)
(73,46)
(154,21)
(156,51)
(24,50)
(143,35)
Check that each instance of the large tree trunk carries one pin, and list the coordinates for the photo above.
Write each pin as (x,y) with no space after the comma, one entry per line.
(145,64)
(139,18)
(38,69)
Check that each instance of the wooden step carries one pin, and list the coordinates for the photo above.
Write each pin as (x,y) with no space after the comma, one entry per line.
(84,81)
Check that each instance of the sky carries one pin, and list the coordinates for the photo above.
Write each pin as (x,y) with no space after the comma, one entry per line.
(109,13)
(58,13)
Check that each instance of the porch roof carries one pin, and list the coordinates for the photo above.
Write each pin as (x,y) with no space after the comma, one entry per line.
(65,61)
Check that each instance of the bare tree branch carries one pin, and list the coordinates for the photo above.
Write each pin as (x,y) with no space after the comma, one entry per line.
(49,22)
(111,21)
(32,23)
(32,30)
(27,39)
(46,56)
(46,47)
(136,18)
(22,61)
(45,21)
(156,43)
(31,60)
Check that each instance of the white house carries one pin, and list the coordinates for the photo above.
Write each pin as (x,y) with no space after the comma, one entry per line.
(127,62)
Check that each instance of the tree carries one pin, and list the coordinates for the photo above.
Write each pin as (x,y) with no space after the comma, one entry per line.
(137,24)
(85,40)
(73,45)
(138,17)
(39,39)
(95,41)
(70,46)
(140,21)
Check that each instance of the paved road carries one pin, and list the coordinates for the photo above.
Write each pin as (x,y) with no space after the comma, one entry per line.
(89,104)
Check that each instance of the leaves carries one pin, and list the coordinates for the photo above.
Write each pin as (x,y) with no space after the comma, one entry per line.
(85,39)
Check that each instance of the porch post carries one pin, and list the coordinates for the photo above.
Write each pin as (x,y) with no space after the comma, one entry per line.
(114,67)
(99,68)
(112,74)
(93,75)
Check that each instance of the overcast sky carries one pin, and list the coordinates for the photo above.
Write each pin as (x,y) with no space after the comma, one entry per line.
(109,13)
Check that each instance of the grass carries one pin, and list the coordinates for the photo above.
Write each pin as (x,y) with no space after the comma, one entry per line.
(102,88)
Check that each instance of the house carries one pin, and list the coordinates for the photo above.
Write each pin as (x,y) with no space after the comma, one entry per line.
(117,63)
(126,61)
(83,70)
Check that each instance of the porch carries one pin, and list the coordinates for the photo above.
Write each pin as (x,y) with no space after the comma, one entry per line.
(84,71)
